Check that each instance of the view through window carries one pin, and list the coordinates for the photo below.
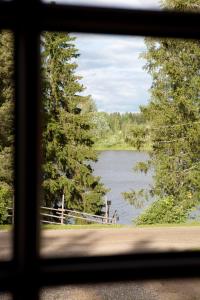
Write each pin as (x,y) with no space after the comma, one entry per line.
(131,156)
(120,144)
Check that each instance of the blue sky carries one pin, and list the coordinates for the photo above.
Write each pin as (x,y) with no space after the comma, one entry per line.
(110,65)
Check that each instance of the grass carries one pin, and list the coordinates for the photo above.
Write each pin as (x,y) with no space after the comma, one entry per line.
(116,142)
(187,224)
(5,227)
(119,147)
(68,226)
(101,226)
(92,226)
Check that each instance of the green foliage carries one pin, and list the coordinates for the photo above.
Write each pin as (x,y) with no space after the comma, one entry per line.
(6,123)
(67,130)
(173,116)
(143,166)
(166,210)
(136,198)
(189,5)
(136,136)
(6,198)
(101,127)
(120,131)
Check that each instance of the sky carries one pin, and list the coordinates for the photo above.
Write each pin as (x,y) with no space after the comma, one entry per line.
(114,3)
(111,69)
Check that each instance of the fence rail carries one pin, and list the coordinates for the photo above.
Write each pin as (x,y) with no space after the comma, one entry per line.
(62,216)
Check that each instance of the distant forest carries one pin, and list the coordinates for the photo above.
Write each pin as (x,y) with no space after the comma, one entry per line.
(116,131)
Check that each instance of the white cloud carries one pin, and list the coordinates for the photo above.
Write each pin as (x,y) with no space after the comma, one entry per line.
(113,72)
(114,3)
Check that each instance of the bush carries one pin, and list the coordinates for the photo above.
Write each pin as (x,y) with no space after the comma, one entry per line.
(6,195)
(164,211)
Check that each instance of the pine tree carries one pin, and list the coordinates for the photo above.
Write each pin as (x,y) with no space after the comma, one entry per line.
(6,123)
(174,116)
(67,130)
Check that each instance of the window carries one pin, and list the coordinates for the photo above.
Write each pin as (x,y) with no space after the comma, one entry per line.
(27,273)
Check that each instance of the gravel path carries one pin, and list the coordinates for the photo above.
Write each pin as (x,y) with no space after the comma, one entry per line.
(86,242)
(120,291)
(114,241)
(157,290)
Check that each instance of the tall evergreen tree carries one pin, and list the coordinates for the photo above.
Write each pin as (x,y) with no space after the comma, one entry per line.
(67,130)
(174,116)
(6,123)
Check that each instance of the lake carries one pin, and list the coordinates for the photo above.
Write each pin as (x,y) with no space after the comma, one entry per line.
(116,171)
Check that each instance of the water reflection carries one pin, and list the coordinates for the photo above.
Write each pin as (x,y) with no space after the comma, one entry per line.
(116,170)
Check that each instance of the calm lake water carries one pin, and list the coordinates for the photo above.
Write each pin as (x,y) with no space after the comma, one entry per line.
(116,171)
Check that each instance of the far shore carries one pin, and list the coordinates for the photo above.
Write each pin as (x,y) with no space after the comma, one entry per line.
(119,147)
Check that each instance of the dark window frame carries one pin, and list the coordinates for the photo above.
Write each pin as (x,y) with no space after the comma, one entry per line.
(27,272)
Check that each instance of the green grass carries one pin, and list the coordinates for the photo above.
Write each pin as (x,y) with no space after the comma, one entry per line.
(92,226)
(5,227)
(116,142)
(62,227)
(119,146)
(101,226)
(112,142)
(187,224)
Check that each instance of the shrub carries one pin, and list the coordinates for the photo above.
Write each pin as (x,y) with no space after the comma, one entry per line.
(164,211)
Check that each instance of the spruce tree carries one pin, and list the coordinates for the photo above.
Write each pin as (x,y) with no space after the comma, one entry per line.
(67,130)
(174,117)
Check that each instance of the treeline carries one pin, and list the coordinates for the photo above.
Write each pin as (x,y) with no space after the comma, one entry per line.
(67,137)
(119,130)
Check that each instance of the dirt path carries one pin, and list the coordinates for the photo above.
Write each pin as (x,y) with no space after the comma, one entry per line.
(114,241)
(75,242)
(121,240)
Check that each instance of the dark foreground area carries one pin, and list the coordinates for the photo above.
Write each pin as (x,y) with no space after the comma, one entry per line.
(155,290)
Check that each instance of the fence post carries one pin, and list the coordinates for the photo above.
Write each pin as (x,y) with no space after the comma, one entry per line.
(13,211)
(106,212)
(114,217)
(62,209)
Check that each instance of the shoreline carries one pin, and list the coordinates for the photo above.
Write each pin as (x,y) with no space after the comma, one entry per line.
(121,149)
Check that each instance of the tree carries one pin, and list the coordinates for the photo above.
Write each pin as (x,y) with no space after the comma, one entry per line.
(6,123)
(67,140)
(174,117)
(101,127)
(121,130)
(67,130)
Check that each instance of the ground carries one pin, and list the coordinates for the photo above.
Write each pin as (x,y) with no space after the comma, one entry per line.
(115,241)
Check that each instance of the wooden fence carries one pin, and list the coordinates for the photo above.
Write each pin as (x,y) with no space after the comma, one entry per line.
(63,216)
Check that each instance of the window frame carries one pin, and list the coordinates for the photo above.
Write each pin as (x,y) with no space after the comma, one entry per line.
(27,19)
